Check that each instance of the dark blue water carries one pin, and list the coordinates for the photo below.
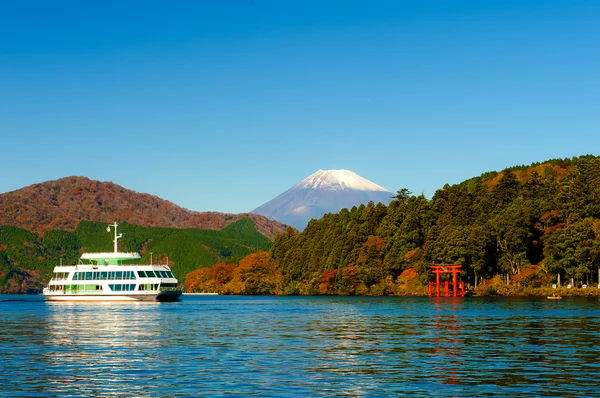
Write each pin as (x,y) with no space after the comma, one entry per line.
(290,346)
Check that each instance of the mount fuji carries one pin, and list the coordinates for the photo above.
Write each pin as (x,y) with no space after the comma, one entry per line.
(326,191)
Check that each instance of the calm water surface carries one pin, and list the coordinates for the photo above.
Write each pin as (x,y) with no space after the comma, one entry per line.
(291,346)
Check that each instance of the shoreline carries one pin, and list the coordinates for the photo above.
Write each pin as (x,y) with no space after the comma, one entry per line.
(481,291)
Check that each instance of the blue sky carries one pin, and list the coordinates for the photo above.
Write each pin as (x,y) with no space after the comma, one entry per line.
(223,105)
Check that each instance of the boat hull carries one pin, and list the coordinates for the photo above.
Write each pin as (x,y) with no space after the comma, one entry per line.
(168,296)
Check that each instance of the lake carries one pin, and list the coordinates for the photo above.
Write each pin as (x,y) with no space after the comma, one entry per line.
(301,346)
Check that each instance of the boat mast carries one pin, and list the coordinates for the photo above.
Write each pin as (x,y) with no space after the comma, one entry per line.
(117,237)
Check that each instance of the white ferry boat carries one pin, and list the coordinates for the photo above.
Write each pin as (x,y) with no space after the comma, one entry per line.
(104,277)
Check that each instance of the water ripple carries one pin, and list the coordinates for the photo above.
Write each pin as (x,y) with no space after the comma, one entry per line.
(301,347)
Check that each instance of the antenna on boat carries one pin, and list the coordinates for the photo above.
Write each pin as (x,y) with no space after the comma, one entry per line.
(117,237)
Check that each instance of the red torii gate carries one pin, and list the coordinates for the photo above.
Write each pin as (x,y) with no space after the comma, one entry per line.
(434,287)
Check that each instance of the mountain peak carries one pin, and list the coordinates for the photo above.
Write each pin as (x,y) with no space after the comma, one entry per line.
(338,180)
(326,191)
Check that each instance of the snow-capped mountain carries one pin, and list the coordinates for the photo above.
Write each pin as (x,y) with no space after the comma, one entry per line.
(326,191)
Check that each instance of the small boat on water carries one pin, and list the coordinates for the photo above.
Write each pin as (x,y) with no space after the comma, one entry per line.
(104,277)
(554,297)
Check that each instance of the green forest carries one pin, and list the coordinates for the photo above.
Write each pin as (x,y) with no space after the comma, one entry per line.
(526,226)
(27,259)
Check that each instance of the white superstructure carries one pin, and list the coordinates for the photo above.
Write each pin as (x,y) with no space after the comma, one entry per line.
(104,277)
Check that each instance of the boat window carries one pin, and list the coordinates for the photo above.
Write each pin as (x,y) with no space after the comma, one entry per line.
(60,275)
(73,288)
(142,274)
(150,274)
(88,288)
(88,276)
(119,275)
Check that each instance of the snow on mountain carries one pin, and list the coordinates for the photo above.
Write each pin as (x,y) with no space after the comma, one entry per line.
(326,191)
(338,180)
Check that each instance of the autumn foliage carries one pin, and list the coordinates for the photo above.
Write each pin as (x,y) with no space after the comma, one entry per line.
(256,274)
(63,203)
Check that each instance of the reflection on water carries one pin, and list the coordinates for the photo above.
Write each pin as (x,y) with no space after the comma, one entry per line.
(100,348)
(301,347)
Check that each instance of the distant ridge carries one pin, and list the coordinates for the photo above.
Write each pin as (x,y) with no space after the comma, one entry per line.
(63,203)
(326,191)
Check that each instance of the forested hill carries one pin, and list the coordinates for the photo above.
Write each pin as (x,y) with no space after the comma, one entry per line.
(63,203)
(27,259)
(526,223)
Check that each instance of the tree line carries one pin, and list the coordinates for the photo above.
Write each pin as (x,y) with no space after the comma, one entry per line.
(528,225)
